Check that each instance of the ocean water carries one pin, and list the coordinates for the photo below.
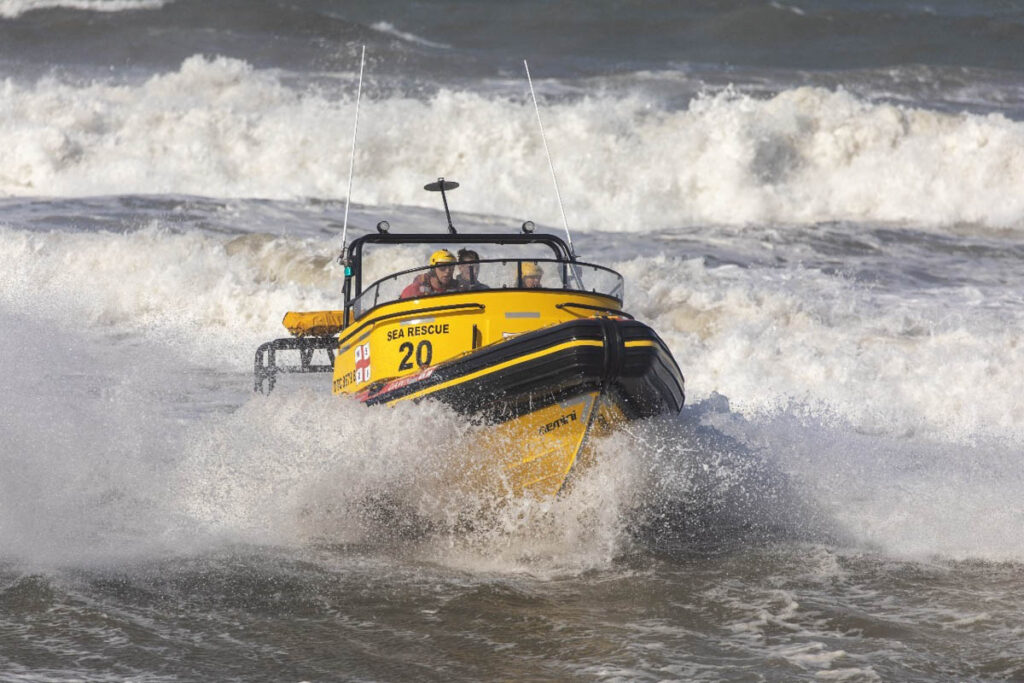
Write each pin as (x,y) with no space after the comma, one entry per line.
(819,206)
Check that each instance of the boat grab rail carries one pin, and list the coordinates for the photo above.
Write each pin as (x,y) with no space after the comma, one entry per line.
(265,367)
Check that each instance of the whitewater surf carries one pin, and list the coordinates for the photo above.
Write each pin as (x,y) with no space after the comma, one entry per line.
(831,239)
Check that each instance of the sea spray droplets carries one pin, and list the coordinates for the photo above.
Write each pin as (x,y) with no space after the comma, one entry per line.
(298,467)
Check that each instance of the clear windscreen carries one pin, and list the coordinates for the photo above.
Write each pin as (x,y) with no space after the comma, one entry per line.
(490,274)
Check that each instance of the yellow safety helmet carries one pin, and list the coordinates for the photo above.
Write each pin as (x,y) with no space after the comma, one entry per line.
(442,256)
(531,270)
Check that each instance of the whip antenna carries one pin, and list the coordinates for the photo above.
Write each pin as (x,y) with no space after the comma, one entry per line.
(352,159)
(547,152)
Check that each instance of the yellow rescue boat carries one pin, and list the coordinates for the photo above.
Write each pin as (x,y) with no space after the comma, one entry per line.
(511,329)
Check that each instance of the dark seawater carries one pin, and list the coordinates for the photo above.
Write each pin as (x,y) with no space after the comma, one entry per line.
(817,205)
(344,614)
(574,38)
(919,50)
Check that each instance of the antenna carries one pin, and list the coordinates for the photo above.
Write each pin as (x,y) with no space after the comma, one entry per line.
(547,151)
(352,159)
(440,186)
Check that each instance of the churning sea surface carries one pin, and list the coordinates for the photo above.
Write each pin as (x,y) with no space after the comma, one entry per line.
(818,205)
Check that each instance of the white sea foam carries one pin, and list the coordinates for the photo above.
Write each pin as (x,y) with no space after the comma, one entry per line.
(11,9)
(893,416)
(209,298)
(935,366)
(219,127)
(778,340)
(865,394)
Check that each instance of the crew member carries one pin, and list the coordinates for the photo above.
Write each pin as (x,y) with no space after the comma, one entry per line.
(438,280)
(531,274)
(469,267)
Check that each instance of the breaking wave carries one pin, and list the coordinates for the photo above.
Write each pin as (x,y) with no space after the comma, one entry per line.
(208,297)
(937,364)
(625,162)
(10,9)
(101,464)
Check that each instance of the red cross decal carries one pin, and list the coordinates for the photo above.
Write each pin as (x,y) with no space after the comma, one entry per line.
(363,363)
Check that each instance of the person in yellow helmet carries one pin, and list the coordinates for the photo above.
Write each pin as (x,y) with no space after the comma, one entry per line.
(438,280)
(531,274)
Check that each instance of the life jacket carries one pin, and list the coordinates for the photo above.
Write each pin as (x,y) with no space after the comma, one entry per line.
(424,285)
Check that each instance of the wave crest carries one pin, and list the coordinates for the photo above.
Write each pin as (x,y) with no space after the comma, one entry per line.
(11,9)
(806,155)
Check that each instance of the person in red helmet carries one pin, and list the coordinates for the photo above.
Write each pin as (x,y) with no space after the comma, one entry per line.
(438,280)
